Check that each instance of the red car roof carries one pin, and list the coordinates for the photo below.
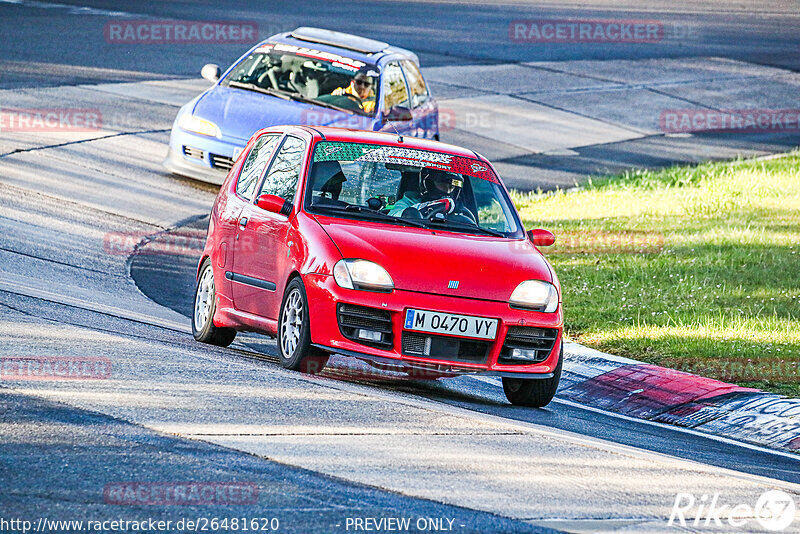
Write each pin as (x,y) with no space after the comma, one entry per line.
(330,133)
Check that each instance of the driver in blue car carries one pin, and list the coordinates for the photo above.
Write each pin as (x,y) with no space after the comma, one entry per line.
(438,192)
(360,90)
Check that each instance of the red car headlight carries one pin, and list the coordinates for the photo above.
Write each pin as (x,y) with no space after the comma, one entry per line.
(362,274)
(535,295)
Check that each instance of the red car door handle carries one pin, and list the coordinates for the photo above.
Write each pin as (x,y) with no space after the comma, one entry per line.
(242,223)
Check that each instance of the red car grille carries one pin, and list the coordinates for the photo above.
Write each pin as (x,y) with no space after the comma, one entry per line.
(355,319)
(536,342)
(447,348)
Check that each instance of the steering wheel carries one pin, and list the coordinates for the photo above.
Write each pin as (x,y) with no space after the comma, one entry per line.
(461,218)
(429,209)
(466,213)
(354,98)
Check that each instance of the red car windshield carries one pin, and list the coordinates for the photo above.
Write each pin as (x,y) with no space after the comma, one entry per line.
(409,186)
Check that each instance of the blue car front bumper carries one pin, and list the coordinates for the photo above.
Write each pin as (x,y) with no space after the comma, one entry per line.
(201,157)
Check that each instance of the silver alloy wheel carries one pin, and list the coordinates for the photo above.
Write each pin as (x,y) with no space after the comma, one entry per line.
(292,323)
(204,300)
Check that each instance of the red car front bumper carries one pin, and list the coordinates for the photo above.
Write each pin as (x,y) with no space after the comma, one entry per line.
(324,295)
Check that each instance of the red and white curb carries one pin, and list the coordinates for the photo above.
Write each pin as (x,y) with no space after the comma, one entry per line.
(663,395)
(638,390)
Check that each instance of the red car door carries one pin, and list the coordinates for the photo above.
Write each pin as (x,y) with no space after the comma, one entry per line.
(261,250)
(229,206)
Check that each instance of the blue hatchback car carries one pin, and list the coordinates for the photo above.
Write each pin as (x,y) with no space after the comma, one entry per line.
(308,76)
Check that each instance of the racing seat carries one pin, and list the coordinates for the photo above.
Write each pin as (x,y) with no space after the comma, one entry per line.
(311,87)
(409,181)
(330,175)
(280,74)
(270,75)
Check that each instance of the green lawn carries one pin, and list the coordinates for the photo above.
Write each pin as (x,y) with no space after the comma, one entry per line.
(695,268)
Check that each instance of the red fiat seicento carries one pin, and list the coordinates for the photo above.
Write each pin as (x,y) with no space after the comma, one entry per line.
(394,250)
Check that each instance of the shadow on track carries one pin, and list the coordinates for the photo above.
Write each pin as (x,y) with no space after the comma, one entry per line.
(165,272)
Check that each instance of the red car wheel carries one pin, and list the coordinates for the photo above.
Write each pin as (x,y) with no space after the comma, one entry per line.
(205,304)
(536,393)
(294,332)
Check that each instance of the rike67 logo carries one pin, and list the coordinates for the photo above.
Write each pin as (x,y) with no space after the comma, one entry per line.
(774,511)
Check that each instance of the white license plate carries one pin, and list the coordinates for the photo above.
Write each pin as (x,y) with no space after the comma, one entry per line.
(452,324)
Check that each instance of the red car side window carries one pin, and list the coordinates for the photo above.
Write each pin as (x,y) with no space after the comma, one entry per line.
(284,172)
(254,165)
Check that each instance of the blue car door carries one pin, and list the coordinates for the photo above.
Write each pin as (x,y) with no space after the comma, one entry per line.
(394,95)
(423,108)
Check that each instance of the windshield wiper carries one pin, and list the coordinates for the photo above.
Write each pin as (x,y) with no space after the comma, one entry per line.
(372,213)
(470,226)
(259,89)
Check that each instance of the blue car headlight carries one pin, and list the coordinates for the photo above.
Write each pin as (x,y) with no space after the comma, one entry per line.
(190,123)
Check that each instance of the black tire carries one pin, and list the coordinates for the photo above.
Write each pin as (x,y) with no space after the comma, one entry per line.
(536,392)
(207,332)
(294,332)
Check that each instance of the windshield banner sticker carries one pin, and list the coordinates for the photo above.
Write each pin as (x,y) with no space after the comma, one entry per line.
(408,156)
(343,62)
(334,151)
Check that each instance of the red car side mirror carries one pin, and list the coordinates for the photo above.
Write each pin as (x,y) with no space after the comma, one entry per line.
(274,204)
(541,238)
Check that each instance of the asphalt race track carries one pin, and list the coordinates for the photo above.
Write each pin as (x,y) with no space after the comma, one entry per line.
(325,450)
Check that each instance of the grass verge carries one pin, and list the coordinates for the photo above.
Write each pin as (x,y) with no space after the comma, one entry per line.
(695,268)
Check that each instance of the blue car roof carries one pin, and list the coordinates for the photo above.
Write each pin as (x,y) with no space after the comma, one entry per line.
(345,44)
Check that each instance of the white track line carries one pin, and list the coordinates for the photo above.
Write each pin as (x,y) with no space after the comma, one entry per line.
(685,430)
(27,291)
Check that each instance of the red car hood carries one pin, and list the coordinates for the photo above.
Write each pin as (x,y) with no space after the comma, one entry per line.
(422,260)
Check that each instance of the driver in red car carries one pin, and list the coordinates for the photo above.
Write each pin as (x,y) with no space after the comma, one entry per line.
(436,188)
(360,89)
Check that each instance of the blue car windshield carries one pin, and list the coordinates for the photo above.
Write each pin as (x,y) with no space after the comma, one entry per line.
(308,75)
